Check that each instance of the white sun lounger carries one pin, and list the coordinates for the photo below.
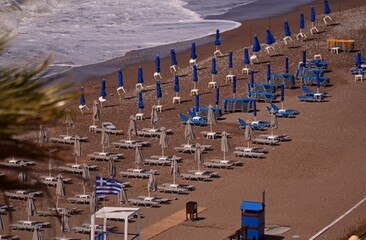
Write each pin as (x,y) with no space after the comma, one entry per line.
(234,163)
(221,165)
(204,172)
(185,186)
(282,137)
(176,190)
(249,154)
(154,199)
(104,156)
(158,162)
(140,202)
(191,176)
(265,141)
(250,149)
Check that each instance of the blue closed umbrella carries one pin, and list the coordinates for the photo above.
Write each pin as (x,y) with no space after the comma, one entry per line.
(251,79)
(302,21)
(269,37)
(231,59)
(312,14)
(159,93)
(326,7)
(304,58)
(217,39)
(233,85)
(217,96)
(246,56)
(120,78)
(157,64)
(103,93)
(282,92)
(197,105)
(140,78)
(255,109)
(193,51)
(317,81)
(287,29)
(194,75)
(268,72)
(140,103)
(173,57)
(213,66)
(82,97)
(176,84)
(286,65)
(256,46)
(358,60)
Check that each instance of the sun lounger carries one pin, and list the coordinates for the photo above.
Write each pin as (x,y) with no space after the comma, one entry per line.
(191,176)
(311,80)
(141,202)
(130,144)
(265,141)
(110,131)
(190,148)
(76,168)
(234,163)
(261,123)
(137,173)
(312,93)
(168,189)
(243,124)
(221,165)
(151,132)
(86,228)
(283,78)
(104,156)
(283,112)
(251,149)
(262,96)
(61,140)
(158,162)
(307,98)
(194,115)
(212,135)
(263,87)
(204,172)
(84,199)
(52,181)
(154,199)
(300,72)
(282,137)
(185,186)
(29,225)
(22,194)
(165,157)
(194,121)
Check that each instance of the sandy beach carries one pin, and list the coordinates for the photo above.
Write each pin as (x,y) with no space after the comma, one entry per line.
(309,181)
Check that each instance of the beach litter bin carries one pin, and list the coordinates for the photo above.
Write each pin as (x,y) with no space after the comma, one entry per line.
(191,211)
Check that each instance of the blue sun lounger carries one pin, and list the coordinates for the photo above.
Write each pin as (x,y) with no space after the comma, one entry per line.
(193,114)
(264,96)
(186,120)
(283,111)
(311,80)
(283,78)
(243,124)
(308,72)
(308,92)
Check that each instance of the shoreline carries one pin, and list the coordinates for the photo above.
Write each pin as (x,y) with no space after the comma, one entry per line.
(241,14)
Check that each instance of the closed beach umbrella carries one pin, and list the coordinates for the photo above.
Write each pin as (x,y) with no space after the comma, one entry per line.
(256,46)
(37,234)
(197,103)
(302,21)
(163,141)
(326,7)
(111,168)
(217,38)
(122,197)
(68,121)
(274,122)
(159,93)
(217,96)
(105,139)
(255,109)
(312,14)
(268,72)
(198,155)
(317,81)
(225,146)
(157,64)
(77,146)
(65,223)
(251,79)
(140,77)
(173,57)
(193,51)
(31,207)
(174,168)
(82,97)
(282,94)
(151,184)
(194,75)
(132,129)
(213,66)
(246,56)
(269,37)
(249,133)
(188,132)
(96,112)
(287,29)
(2,226)
(139,157)
(120,78)
(286,65)
(51,165)
(358,60)
(304,58)
(140,103)
(154,119)
(42,135)
(60,187)
(230,65)
(176,85)
(103,93)
(211,117)
(233,86)
(93,205)
(85,174)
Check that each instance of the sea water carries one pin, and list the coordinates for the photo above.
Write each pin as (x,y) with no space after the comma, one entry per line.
(83,32)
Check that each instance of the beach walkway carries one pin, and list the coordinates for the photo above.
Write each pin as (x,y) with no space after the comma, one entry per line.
(167,223)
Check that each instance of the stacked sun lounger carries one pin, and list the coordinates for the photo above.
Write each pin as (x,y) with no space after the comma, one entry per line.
(249,152)
(237,104)
(22,194)
(152,132)
(197,177)
(203,111)
(222,164)
(281,137)
(283,78)
(263,87)
(190,148)
(262,96)
(142,202)
(265,141)
(76,168)
(172,189)
(212,135)
(129,144)
(300,72)
(104,156)
(29,225)
(311,80)
(137,173)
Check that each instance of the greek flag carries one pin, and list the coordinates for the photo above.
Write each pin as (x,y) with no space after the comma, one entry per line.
(107,186)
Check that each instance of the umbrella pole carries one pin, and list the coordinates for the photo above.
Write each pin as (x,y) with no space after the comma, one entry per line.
(173,178)
(67,131)
(84,188)
(282,104)
(224,156)
(210,127)
(194,85)
(162,152)
(56,202)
